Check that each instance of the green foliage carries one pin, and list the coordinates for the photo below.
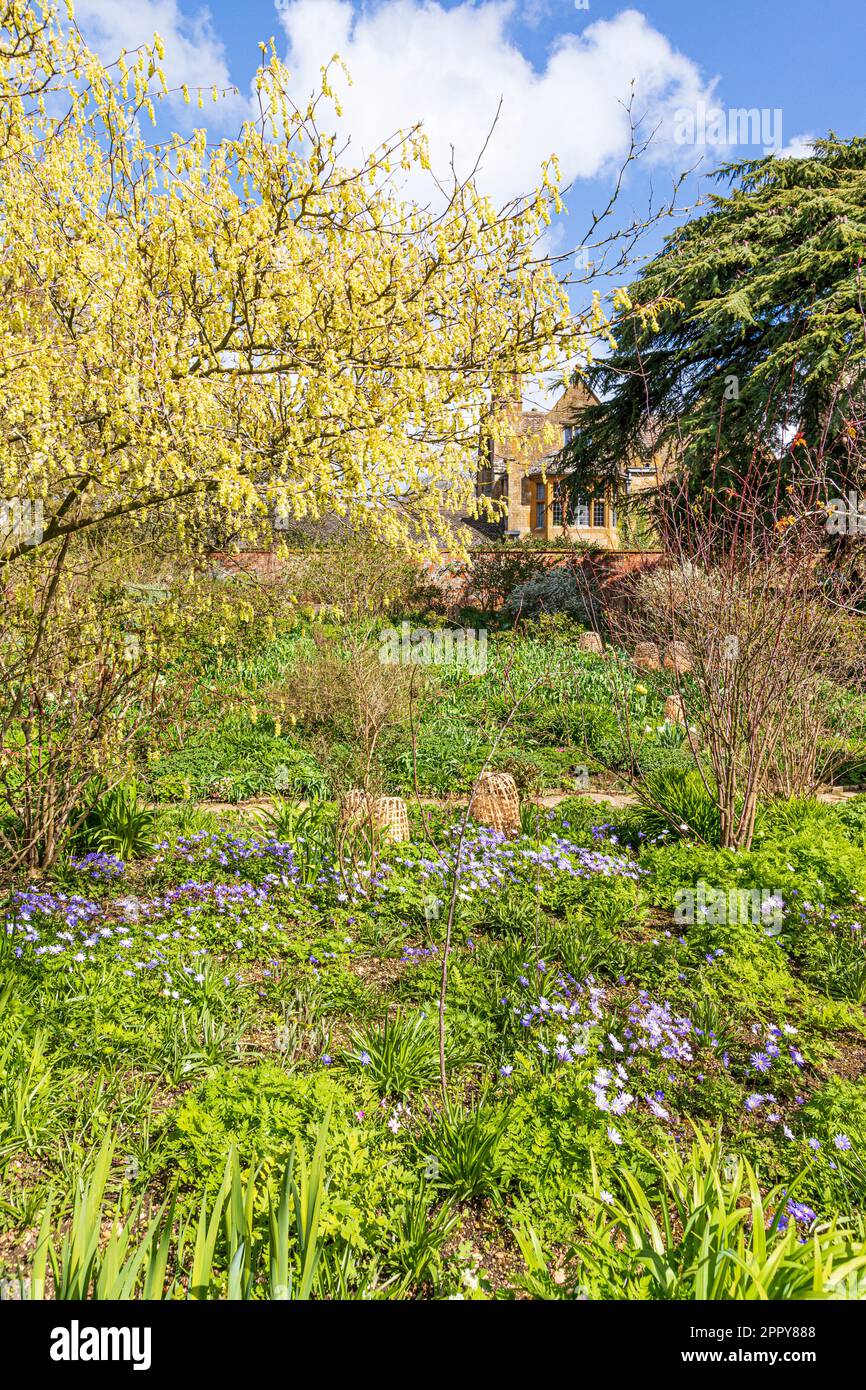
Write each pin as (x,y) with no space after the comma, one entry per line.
(661,756)
(310,830)
(420,1230)
(461,1149)
(830,947)
(598,733)
(764,289)
(819,861)
(835,1173)
(235,760)
(120,824)
(843,760)
(851,815)
(401,1055)
(546,1149)
(263,1112)
(702,1229)
(219,1254)
(783,818)
(249,987)
(679,805)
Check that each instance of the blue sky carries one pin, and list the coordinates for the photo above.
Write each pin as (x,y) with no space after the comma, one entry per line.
(563,71)
(807,56)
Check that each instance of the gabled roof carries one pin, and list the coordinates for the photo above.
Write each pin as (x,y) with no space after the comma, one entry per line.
(529,422)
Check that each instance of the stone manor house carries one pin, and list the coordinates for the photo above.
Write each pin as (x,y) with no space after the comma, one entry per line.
(530,480)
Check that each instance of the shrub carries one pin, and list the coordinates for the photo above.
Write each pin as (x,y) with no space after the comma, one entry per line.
(656,757)
(498,570)
(81,678)
(556,590)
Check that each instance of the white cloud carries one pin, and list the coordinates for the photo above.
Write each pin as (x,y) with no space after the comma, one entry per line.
(533,12)
(800,147)
(413,60)
(194,53)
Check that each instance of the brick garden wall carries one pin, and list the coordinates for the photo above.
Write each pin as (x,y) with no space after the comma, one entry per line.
(608,569)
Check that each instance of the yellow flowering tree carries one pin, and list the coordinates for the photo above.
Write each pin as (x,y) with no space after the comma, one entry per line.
(252,325)
(195,331)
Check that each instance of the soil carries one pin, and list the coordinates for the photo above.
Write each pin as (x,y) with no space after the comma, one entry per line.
(612,795)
